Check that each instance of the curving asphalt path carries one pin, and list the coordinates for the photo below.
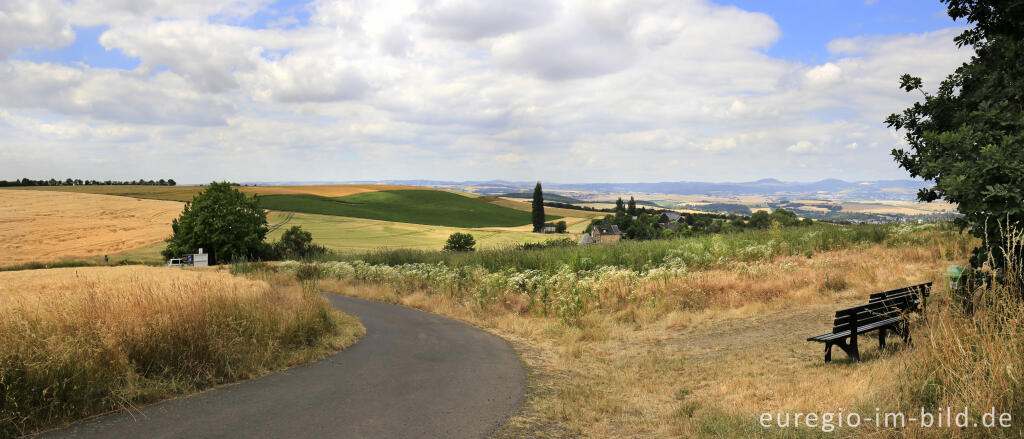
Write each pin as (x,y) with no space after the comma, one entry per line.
(413,375)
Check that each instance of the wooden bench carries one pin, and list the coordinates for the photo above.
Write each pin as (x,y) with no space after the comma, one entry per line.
(885,311)
(922,290)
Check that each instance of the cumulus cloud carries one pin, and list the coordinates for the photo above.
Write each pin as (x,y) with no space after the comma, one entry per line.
(207,54)
(298,78)
(463,88)
(33,24)
(825,74)
(475,19)
(803,147)
(108,95)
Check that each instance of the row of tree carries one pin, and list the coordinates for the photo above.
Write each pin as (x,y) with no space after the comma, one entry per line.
(80,182)
(641,223)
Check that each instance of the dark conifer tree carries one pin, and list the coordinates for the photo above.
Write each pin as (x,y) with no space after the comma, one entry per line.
(538,208)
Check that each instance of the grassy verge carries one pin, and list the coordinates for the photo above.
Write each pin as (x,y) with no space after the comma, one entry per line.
(82,341)
(700,252)
(668,351)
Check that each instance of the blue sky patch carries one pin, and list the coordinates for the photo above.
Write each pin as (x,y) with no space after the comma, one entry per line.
(808,25)
(86,50)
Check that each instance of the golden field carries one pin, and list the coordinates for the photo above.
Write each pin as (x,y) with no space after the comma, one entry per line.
(80,341)
(185,193)
(37,226)
(358,234)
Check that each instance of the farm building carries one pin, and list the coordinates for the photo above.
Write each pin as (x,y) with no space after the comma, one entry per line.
(669,217)
(605,233)
(199,259)
(548,228)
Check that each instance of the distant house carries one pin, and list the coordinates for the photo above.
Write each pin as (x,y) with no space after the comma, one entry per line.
(669,217)
(605,233)
(548,228)
(586,239)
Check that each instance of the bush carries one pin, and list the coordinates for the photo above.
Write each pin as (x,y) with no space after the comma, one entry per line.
(460,242)
(560,227)
(295,244)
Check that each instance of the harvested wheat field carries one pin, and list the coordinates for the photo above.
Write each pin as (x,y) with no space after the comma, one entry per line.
(82,341)
(37,226)
(185,193)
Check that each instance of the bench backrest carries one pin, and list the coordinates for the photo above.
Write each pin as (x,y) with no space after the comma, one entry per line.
(875,311)
(921,289)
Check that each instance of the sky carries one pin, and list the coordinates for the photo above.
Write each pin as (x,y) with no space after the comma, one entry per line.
(552,90)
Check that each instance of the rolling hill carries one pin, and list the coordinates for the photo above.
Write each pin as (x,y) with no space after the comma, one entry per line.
(428,207)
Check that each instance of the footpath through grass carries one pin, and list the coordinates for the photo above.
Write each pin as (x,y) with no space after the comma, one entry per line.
(429,207)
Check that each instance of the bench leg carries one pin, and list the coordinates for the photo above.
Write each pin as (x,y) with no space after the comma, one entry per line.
(882,333)
(854,351)
(850,347)
(828,352)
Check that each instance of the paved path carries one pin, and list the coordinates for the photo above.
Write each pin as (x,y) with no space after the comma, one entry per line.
(414,375)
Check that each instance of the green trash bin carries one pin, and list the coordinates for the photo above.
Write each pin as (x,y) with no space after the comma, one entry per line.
(957,281)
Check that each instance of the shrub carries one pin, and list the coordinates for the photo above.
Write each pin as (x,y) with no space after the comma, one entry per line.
(460,242)
(561,227)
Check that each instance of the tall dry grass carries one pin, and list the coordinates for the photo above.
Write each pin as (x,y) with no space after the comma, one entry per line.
(973,356)
(80,341)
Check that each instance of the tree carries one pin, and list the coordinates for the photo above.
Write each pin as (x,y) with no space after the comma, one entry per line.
(171,182)
(560,227)
(968,137)
(631,210)
(760,220)
(784,217)
(538,209)
(296,242)
(222,221)
(460,242)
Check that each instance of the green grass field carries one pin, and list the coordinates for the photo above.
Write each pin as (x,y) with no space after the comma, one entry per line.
(427,207)
(359,235)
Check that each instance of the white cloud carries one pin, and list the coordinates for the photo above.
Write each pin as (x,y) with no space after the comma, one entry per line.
(803,147)
(825,74)
(33,24)
(109,95)
(466,89)
(475,19)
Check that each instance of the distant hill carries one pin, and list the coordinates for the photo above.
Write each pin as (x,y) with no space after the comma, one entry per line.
(901,190)
(429,207)
(547,197)
(834,189)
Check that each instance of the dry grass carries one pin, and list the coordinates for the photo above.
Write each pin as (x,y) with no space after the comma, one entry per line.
(81,341)
(700,355)
(48,226)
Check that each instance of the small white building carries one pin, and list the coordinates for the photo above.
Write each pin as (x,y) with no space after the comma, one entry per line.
(199,259)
